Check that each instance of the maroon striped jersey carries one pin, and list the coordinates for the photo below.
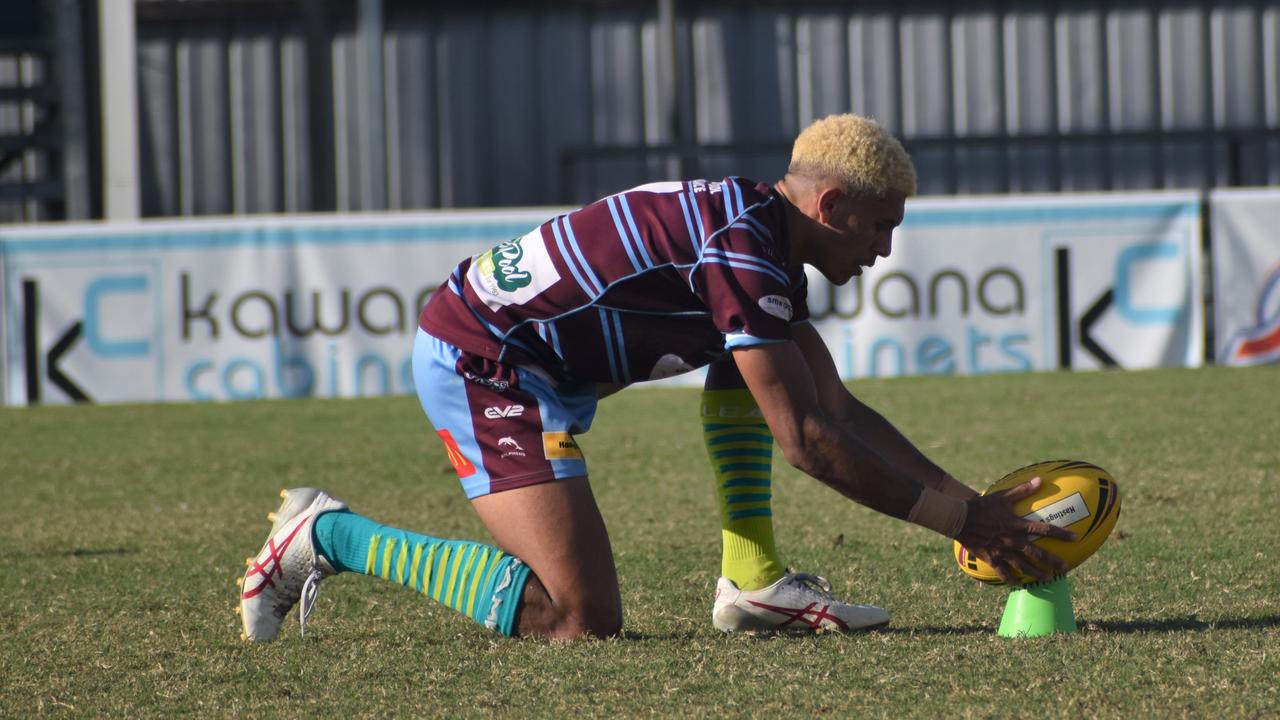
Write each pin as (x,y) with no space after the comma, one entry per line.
(640,285)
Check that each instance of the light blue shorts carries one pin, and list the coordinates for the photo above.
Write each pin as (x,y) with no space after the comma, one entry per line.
(503,426)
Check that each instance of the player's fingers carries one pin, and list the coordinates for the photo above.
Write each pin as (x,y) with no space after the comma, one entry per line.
(1026,489)
(1025,566)
(1001,566)
(1048,530)
(1044,558)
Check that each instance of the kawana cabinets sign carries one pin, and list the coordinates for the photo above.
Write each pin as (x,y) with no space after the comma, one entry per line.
(327,306)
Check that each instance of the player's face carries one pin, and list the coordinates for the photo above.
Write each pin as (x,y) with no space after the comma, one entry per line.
(862,229)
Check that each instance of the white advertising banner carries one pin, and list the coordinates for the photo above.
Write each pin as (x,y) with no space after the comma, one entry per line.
(986,285)
(1245,226)
(227,309)
(327,306)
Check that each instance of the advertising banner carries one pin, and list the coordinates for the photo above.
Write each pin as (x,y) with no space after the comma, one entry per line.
(227,309)
(1245,226)
(986,285)
(327,306)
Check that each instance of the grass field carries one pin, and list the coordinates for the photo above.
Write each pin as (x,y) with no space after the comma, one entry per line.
(123,528)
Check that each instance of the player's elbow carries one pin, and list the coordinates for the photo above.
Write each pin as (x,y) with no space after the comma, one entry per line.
(805,461)
(808,448)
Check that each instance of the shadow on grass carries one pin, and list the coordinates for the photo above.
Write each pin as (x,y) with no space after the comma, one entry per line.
(936,630)
(1168,625)
(633,636)
(1182,624)
(85,552)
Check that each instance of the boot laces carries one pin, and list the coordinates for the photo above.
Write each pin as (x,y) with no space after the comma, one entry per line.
(813,583)
(310,588)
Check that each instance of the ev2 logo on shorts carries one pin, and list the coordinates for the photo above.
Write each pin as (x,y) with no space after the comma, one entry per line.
(509,411)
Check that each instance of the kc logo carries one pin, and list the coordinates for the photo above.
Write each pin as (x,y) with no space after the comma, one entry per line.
(112,310)
(1139,265)
(52,359)
(497,413)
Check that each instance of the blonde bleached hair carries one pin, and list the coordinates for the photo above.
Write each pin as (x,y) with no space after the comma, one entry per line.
(855,152)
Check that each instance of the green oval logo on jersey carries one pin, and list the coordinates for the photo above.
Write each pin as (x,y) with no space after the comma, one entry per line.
(503,262)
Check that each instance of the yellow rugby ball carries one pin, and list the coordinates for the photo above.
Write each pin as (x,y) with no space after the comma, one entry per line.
(1079,496)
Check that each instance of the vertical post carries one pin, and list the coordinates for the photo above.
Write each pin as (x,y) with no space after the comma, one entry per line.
(68,53)
(119,109)
(668,91)
(370,29)
(319,71)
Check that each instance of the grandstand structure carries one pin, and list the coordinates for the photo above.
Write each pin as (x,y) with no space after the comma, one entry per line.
(163,108)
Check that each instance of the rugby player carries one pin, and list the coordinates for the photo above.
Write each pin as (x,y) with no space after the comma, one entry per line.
(518,346)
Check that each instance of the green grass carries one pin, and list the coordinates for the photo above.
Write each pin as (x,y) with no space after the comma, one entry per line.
(123,528)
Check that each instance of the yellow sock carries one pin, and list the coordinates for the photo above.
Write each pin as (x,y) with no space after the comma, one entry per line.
(740,447)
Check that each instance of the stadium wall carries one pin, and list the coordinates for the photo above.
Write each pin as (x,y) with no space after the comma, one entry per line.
(325,306)
(287,108)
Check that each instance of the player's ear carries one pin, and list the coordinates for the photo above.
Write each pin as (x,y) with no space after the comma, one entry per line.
(829,200)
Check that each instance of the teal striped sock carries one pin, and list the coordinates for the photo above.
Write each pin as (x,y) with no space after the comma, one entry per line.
(478,580)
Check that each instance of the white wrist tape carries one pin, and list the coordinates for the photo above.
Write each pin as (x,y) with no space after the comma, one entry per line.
(939,512)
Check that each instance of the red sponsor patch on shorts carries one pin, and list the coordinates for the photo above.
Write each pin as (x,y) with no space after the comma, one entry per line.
(456,458)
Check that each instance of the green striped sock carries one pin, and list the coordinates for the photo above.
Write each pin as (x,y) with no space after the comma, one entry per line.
(740,447)
(478,580)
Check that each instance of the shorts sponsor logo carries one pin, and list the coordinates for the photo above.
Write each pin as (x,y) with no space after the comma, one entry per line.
(508,411)
(560,445)
(513,272)
(459,461)
(1062,513)
(777,306)
(510,447)
(494,385)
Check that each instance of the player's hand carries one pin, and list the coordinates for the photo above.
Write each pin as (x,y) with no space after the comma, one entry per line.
(994,533)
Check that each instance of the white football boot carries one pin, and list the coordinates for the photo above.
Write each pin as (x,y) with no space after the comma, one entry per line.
(798,602)
(287,567)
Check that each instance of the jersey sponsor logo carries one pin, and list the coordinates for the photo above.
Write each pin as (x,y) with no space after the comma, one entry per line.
(664,187)
(560,445)
(504,262)
(459,461)
(497,413)
(513,272)
(777,306)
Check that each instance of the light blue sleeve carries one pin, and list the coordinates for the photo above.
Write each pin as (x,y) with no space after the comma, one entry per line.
(741,339)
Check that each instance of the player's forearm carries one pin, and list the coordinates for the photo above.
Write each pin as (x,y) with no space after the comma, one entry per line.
(828,453)
(823,449)
(877,432)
